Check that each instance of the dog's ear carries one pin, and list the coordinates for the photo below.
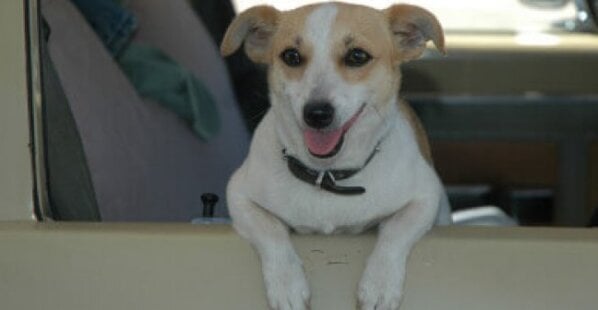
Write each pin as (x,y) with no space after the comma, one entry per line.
(412,27)
(255,27)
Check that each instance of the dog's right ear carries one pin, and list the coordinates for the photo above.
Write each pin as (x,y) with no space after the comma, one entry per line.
(412,27)
(255,27)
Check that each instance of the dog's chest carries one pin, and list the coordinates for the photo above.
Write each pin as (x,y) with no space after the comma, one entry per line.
(308,208)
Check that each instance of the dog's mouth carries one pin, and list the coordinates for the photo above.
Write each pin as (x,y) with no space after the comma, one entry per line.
(325,144)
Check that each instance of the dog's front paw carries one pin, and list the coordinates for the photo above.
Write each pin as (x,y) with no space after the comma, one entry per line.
(381,285)
(286,286)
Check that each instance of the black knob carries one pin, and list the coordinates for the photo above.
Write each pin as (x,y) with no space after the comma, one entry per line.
(209,201)
(318,114)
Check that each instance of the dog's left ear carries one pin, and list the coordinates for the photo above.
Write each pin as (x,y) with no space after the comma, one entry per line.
(412,27)
(254,27)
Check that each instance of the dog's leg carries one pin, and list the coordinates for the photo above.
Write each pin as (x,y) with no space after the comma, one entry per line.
(285,281)
(381,285)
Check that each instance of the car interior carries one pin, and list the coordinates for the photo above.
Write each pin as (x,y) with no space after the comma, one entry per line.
(510,111)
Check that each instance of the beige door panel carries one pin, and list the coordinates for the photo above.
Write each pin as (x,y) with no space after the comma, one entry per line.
(158,266)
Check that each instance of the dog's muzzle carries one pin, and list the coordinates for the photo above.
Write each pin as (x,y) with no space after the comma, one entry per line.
(324,142)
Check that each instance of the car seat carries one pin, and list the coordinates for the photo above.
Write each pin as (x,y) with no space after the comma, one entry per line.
(143,163)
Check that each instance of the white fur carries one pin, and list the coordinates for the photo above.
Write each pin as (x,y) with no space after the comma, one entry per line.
(403,192)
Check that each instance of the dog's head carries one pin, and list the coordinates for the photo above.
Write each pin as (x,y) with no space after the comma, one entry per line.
(333,71)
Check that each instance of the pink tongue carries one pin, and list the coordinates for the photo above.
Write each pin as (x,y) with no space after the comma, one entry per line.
(322,143)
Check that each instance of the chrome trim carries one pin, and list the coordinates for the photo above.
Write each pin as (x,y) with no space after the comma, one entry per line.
(32,18)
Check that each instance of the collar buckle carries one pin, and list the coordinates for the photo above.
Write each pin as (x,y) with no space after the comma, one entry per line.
(320,178)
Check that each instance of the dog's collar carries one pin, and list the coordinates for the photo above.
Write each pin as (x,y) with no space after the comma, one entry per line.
(326,179)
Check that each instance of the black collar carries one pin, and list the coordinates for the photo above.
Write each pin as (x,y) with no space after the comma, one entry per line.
(326,179)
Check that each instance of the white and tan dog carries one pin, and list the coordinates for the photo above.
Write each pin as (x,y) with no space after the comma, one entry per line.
(338,151)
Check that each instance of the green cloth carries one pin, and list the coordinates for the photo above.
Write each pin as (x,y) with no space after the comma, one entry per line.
(156,76)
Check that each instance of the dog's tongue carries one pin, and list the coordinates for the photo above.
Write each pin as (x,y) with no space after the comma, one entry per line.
(322,143)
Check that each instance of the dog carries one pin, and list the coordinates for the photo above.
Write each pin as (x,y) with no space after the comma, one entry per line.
(338,151)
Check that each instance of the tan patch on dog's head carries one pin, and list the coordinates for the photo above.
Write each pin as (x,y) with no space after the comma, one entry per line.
(390,36)
(354,26)
(290,35)
(363,28)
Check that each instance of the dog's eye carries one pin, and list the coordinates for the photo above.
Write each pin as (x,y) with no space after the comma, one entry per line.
(291,57)
(356,57)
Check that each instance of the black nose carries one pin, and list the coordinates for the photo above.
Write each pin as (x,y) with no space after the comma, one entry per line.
(318,114)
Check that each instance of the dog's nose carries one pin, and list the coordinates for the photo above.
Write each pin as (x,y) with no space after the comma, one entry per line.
(318,114)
